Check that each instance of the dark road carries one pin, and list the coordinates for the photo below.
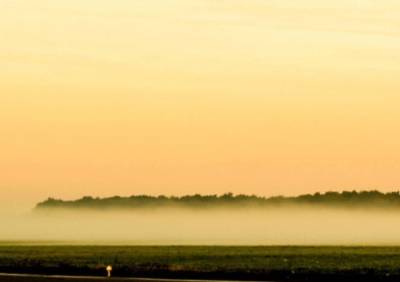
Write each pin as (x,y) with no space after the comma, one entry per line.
(4,277)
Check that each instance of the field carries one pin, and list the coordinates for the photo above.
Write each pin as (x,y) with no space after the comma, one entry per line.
(208,262)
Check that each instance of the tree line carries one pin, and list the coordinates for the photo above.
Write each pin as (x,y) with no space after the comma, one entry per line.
(345,198)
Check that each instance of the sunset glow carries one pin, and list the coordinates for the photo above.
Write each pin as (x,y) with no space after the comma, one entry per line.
(181,97)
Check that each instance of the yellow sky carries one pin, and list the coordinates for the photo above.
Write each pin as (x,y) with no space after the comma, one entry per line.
(102,97)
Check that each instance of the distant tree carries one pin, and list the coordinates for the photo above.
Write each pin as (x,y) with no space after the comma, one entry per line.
(345,198)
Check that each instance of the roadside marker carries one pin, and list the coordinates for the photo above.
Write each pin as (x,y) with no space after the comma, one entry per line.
(109,269)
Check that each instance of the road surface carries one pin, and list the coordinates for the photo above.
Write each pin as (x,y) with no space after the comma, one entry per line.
(6,277)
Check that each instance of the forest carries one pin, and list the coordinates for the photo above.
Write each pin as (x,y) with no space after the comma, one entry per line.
(348,199)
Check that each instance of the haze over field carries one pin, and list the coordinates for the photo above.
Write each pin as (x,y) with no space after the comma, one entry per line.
(248,226)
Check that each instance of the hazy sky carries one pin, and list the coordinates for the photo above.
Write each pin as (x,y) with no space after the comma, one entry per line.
(102,97)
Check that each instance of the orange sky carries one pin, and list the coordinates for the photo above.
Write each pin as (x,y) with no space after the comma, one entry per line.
(179,97)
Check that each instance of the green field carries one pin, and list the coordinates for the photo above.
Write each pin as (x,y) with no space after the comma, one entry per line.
(208,262)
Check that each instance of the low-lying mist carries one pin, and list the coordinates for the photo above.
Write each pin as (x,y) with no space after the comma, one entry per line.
(230,226)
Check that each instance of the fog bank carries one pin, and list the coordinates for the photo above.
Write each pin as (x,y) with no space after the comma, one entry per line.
(273,226)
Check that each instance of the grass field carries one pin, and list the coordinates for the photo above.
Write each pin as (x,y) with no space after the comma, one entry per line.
(208,262)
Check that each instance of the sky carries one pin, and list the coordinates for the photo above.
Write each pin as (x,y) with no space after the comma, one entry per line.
(180,97)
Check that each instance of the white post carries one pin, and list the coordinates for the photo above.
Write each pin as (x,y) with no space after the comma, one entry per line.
(109,269)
